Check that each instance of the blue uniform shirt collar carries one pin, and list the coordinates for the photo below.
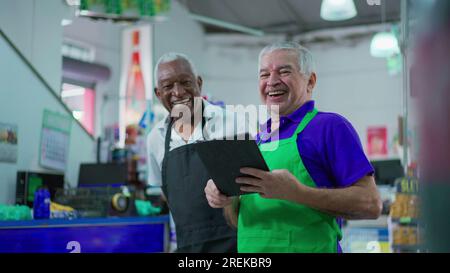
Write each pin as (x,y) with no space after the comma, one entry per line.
(301,112)
(295,116)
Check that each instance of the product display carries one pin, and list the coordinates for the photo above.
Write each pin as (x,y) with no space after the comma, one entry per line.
(16,212)
(58,211)
(404,227)
(405,206)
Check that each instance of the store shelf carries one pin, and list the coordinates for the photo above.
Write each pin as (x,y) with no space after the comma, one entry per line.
(92,235)
(365,240)
(44,223)
(406,248)
(405,221)
(381,222)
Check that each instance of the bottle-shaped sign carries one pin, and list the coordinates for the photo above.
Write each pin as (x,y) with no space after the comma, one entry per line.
(135,105)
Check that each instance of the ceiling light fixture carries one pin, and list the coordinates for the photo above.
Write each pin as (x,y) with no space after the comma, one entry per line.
(384,45)
(73,92)
(66,22)
(337,10)
(226,25)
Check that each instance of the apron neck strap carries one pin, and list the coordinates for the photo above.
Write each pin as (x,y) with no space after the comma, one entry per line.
(306,119)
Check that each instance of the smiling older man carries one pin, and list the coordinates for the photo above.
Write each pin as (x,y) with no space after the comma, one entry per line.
(173,162)
(319,172)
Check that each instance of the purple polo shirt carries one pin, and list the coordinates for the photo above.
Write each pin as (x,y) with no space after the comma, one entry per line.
(329,147)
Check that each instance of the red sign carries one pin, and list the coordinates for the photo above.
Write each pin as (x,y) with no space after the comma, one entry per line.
(377,141)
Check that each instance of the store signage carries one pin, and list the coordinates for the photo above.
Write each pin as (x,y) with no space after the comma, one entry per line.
(136,81)
(377,141)
(131,8)
(8,142)
(55,136)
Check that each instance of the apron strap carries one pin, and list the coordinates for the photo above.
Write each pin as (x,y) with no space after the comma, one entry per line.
(306,119)
(168,136)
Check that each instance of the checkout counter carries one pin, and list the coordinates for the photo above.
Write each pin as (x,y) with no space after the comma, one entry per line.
(100,226)
(86,235)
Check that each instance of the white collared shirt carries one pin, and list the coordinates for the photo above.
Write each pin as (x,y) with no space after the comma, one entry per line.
(218,123)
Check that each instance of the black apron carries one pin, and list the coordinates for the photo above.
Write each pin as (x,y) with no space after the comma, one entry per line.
(199,227)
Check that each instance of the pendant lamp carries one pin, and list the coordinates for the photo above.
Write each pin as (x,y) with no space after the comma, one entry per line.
(337,10)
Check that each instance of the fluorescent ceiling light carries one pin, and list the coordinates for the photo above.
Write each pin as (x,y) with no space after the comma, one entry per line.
(65,22)
(383,45)
(72,92)
(160,18)
(73,2)
(337,10)
(78,114)
(84,12)
(226,25)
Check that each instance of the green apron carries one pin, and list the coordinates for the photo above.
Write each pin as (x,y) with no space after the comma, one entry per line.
(273,225)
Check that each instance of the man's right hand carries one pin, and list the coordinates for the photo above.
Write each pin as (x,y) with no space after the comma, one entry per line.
(215,198)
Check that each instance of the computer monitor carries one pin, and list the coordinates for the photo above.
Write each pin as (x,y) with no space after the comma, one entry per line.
(387,171)
(28,182)
(102,174)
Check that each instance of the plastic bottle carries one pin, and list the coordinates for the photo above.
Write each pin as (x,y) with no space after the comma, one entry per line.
(41,205)
(172,236)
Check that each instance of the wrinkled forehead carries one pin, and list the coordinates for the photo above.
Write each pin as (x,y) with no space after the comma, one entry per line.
(278,58)
(174,69)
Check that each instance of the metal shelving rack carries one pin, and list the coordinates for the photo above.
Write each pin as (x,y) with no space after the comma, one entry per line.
(405,230)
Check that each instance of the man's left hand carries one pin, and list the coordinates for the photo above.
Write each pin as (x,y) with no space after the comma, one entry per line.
(278,184)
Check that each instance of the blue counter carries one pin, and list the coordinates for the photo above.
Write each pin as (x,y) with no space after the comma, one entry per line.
(86,235)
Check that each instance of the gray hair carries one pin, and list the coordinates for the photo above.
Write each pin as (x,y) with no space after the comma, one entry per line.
(173,56)
(304,56)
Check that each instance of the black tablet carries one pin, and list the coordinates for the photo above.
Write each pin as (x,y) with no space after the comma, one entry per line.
(224,158)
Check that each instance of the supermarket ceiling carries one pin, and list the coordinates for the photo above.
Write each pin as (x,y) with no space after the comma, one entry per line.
(286,16)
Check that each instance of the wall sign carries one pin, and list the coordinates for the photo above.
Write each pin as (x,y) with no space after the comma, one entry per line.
(8,142)
(55,138)
(136,81)
(129,8)
(377,141)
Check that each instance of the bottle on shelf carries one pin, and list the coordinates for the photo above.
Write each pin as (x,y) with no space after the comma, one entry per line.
(404,214)
(41,204)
